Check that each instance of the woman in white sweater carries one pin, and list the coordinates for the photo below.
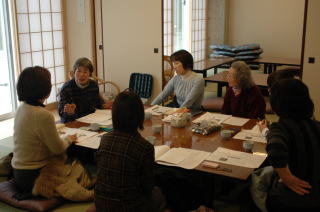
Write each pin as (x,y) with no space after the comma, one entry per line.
(187,86)
(36,139)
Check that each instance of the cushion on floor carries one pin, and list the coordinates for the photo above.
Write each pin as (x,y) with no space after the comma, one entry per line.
(8,189)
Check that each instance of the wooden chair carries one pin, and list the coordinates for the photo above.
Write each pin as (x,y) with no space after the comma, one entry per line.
(110,89)
(168,71)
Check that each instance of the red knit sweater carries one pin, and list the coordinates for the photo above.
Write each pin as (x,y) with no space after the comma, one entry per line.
(248,104)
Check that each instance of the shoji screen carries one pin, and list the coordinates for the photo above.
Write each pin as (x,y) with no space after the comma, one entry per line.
(167,27)
(40,38)
(199,29)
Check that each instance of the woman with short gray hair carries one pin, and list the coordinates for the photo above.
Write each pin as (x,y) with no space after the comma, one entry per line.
(243,98)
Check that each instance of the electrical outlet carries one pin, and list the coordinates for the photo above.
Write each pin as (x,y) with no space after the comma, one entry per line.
(311,60)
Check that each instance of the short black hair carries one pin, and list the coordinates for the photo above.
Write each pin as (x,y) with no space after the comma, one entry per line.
(34,83)
(286,73)
(184,57)
(127,112)
(290,99)
(83,62)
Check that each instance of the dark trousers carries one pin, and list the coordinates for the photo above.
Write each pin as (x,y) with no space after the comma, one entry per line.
(275,205)
(24,180)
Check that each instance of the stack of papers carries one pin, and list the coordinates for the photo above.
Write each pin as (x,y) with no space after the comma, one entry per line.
(236,121)
(237,158)
(222,118)
(92,142)
(217,117)
(81,134)
(102,117)
(180,157)
(158,110)
(251,135)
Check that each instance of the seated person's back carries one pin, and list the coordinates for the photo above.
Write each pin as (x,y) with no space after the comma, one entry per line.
(125,160)
(293,149)
(36,139)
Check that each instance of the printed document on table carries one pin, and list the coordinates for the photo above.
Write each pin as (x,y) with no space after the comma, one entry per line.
(252,135)
(157,110)
(236,121)
(160,150)
(218,117)
(102,117)
(182,157)
(237,158)
(81,134)
(92,142)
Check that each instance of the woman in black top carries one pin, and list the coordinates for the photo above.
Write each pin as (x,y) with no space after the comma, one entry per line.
(294,149)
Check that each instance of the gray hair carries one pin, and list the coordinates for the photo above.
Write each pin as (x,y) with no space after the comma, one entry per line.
(84,62)
(242,75)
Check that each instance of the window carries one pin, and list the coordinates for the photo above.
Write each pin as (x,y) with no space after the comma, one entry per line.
(40,39)
(185,27)
(7,84)
(167,27)
(199,29)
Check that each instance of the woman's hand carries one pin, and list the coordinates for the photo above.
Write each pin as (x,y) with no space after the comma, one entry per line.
(107,105)
(73,138)
(69,108)
(263,124)
(294,183)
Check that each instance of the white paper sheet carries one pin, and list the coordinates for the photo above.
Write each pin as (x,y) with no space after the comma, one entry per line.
(237,158)
(157,110)
(81,134)
(92,142)
(236,121)
(160,150)
(251,135)
(102,117)
(182,157)
(218,117)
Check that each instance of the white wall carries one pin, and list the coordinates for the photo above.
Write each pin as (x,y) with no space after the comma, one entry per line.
(216,21)
(131,30)
(79,36)
(311,72)
(276,25)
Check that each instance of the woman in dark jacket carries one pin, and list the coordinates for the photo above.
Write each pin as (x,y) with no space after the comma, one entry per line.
(294,149)
(125,161)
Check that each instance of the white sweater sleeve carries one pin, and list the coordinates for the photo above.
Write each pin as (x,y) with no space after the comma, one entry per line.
(196,91)
(167,91)
(49,135)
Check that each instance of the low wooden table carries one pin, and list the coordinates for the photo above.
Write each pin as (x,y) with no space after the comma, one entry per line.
(271,63)
(204,65)
(221,80)
(184,137)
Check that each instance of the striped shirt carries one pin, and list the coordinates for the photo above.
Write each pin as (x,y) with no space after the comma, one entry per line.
(296,143)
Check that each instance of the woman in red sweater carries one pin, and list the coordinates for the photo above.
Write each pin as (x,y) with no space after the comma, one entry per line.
(243,98)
